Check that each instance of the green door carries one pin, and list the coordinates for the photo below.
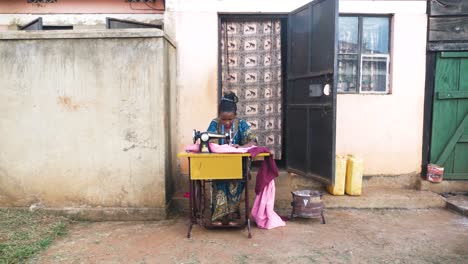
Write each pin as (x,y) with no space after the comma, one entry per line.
(449,144)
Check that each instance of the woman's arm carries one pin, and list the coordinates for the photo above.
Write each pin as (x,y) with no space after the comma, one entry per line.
(213,127)
(248,138)
(249,144)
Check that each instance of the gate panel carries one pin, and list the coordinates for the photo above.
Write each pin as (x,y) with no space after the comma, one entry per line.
(449,146)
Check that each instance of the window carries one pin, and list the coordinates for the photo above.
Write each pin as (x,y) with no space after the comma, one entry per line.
(112,23)
(363,54)
(37,24)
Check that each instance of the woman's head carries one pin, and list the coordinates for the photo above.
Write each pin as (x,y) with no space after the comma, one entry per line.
(228,109)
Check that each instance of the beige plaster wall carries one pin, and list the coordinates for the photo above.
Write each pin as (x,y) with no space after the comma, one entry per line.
(385,130)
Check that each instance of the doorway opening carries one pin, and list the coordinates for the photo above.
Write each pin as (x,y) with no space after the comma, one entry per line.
(252,52)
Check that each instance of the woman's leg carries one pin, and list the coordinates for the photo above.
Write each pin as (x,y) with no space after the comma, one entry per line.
(220,207)
(227,200)
(234,197)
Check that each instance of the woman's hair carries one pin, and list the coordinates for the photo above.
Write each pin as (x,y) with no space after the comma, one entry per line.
(228,103)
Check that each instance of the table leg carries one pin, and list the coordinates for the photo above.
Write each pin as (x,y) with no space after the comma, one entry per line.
(202,202)
(196,199)
(189,232)
(247,203)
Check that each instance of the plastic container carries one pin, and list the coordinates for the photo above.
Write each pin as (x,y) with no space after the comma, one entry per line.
(435,173)
(354,171)
(340,177)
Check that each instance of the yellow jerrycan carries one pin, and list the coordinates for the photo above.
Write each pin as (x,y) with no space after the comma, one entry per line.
(340,176)
(354,171)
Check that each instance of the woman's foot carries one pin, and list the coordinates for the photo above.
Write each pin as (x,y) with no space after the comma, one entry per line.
(234,215)
(217,223)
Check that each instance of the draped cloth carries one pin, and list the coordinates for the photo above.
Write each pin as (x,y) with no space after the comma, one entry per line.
(263,209)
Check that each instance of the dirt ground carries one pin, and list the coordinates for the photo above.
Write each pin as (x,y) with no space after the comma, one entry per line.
(350,236)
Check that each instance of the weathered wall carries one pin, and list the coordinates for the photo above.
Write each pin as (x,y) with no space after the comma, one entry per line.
(84,118)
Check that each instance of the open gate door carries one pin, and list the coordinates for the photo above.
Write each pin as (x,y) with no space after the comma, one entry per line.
(311,90)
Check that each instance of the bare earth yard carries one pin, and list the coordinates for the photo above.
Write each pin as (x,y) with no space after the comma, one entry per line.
(350,236)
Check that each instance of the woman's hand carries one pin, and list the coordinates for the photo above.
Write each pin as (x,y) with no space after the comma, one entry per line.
(248,145)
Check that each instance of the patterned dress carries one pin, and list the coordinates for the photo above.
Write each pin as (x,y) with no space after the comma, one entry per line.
(228,193)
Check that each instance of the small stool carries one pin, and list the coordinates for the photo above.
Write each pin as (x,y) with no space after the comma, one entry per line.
(307,204)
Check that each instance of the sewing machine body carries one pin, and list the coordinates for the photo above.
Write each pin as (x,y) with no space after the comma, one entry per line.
(205,137)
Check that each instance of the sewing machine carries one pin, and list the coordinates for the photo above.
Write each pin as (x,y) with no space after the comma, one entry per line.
(205,137)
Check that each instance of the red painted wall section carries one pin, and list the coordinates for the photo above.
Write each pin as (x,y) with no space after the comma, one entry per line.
(81,7)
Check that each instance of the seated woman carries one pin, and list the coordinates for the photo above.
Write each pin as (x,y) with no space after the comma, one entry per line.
(228,193)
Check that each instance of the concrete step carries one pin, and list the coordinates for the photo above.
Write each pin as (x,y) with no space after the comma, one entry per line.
(386,198)
(444,186)
(379,198)
(457,201)
(371,198)
(380,191)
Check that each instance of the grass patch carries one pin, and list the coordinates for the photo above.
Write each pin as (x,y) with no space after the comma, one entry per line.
(24,233)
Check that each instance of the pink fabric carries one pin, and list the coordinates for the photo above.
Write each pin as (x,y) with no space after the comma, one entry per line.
(215,148)
(262,210)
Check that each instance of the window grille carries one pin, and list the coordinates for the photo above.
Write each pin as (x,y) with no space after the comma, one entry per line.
(141,1)
(364,54)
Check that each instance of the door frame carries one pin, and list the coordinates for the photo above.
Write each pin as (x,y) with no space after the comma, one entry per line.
(432,59)
(433,47)
(428,108)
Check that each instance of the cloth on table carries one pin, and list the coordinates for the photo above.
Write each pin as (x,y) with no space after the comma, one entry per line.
(215,148)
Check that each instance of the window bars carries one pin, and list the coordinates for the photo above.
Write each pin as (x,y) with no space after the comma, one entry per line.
(141,1)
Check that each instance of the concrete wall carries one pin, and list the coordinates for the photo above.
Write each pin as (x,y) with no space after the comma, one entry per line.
(386,130)
(85,120)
